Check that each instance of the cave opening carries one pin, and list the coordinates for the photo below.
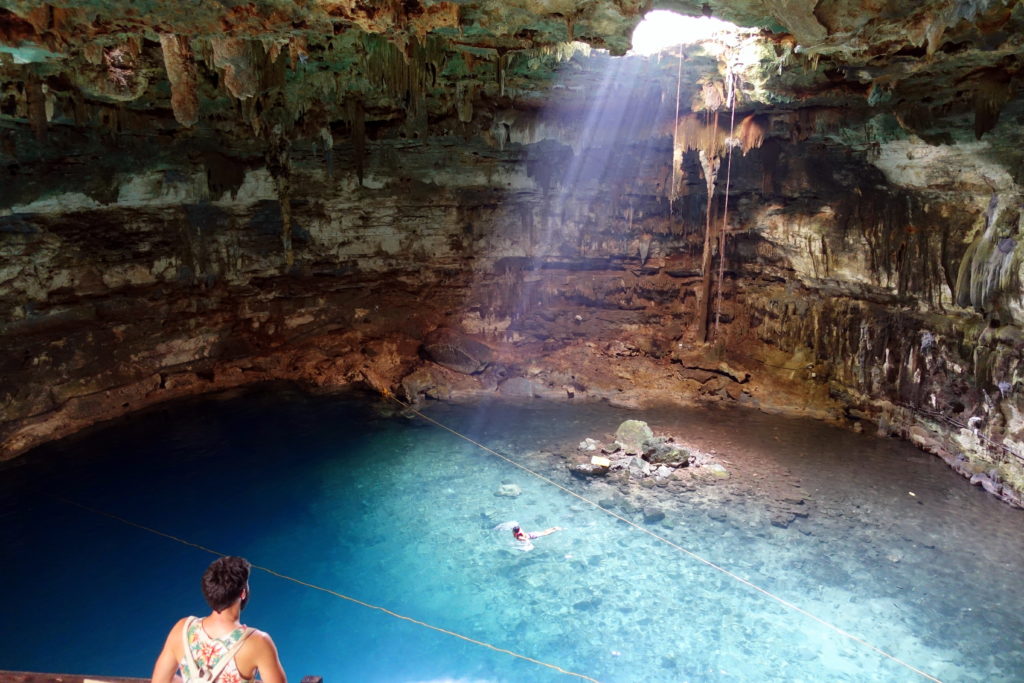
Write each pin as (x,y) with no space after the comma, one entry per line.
(663,29)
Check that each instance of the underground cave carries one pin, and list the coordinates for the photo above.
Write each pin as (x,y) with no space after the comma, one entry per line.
(365,282)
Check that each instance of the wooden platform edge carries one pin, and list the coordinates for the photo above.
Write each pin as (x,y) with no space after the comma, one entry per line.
(34,677)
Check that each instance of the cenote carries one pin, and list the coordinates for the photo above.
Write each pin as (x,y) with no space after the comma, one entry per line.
(348,493)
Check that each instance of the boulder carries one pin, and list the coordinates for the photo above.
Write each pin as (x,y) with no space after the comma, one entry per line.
(632,434)
(716,470)
(589,444)
(585,470)
(638,467)
(987,482)
(664,471)
(518,387)
(662,450)
(457,351)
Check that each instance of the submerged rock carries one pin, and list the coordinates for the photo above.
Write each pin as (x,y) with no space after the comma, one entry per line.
(509,490)
(653,515)
(782,519)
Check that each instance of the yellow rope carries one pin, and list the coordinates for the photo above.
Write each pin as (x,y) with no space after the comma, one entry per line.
(749,584)
(424,624)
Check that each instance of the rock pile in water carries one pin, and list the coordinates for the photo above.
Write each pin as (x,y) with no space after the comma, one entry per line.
(639,454)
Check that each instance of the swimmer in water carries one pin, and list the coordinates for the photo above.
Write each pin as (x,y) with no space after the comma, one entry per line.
(526,536)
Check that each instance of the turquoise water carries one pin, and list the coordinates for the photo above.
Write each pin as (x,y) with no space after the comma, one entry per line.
(344,493)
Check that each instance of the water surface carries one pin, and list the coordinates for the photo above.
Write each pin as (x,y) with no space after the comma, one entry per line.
(869,534)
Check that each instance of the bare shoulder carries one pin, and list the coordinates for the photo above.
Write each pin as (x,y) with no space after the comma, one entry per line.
(174,637)
(263,654)
(261,639)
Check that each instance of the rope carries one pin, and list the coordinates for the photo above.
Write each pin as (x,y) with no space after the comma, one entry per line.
(336,594)
(725,210)
(690,553)
(675,135)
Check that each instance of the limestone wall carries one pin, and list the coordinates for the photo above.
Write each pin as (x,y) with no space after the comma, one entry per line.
(839,295)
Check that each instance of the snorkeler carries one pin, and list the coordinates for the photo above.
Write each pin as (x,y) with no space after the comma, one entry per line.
(525,536)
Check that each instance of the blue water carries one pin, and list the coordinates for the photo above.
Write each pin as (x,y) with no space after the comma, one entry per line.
(344,493)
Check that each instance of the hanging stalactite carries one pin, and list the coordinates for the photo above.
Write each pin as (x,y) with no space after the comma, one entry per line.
(36,99)
(500,68)
(677,149)
(278,160)
(181,72)
(357,120)
(989,268)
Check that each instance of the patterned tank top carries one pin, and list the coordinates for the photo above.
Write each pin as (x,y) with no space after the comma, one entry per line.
(204,655)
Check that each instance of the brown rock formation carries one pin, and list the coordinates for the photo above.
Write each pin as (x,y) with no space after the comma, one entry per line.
(181,73)
(444,199)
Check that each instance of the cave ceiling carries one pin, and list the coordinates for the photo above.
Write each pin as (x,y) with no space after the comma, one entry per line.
(241,78)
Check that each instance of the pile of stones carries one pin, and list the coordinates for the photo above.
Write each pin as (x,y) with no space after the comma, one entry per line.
(640,454)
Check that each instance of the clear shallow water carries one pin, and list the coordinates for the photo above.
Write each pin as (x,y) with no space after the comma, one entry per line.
(399,513)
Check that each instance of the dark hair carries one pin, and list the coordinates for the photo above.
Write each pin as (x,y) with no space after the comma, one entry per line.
(224,580)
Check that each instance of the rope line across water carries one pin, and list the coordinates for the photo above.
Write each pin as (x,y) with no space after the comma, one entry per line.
(690,553)
(336,594)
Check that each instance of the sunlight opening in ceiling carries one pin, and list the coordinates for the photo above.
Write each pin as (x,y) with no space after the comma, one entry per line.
(662,29)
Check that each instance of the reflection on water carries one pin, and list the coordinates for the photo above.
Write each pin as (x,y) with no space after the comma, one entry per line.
(871,535)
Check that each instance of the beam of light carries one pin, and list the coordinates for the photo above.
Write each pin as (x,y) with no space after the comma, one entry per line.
(662,29)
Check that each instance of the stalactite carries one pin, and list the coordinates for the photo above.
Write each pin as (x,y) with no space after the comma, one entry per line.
(677,148)
(992,92)
(407,76)
(710,165)
(692,132)
(181,73)
(464,102)
(278,160)
(36,106)
(50,102)
(500,66)
(560,52)
(357,120)
(236,59)
(750,133)
(327,138)
(989,267)
(645,247)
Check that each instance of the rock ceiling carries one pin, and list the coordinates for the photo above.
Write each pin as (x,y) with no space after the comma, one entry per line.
(944,70)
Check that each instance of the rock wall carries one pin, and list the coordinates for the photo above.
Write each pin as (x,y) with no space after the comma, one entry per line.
(202,214)
(839,288)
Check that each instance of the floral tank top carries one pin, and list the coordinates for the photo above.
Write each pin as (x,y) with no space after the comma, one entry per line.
(204,655)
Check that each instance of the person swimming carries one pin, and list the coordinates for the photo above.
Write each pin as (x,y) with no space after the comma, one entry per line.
(526,536)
